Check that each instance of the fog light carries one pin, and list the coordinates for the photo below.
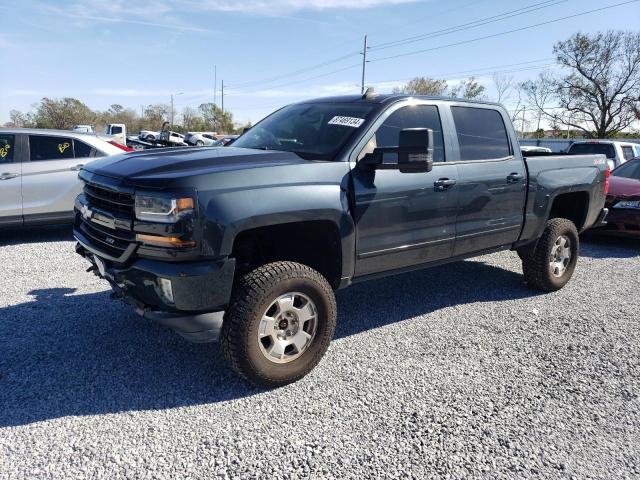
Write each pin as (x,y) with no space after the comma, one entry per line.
(165,290)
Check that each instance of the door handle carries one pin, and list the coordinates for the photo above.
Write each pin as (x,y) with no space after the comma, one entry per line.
(75,168)
(443,184)
(8,176)
(514,177)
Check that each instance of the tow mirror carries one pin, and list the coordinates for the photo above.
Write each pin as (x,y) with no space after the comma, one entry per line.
(414,153)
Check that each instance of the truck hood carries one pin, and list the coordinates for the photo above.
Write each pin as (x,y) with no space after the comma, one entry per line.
(186,162)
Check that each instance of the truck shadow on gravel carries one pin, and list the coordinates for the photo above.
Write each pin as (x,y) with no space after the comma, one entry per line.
(36,235)
(68,354)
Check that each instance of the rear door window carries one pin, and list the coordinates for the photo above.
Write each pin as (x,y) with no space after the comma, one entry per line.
(482,134)
(7,146)
(44,147)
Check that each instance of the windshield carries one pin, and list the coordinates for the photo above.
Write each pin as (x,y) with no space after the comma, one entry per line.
(313,131)
(593,148)
(630,169)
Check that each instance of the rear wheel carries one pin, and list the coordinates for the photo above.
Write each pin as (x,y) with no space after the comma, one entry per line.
(280,323)
(200,143)
(550,265)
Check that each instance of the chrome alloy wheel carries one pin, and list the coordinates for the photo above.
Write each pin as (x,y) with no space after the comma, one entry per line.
(287,327)
(560,256)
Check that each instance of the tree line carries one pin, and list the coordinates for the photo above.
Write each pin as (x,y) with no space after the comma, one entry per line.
(595,93)
(65,113)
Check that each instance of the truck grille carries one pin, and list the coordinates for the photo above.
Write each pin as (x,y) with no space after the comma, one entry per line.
(113,242)
(109,229)
(109,200)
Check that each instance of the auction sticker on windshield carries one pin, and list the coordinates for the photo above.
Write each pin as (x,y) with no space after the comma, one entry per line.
(346,121)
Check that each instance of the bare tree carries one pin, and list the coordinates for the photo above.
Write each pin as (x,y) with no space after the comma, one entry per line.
(504,86)
(599,94)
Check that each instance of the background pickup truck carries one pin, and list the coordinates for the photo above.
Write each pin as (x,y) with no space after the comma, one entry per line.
(248,243)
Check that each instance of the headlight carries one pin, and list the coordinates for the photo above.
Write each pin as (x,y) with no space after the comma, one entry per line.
(162,209)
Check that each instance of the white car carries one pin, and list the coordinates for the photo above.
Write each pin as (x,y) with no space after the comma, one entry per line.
(530,148)
(39,173)
(173,138)
(148,135)
(200,139)
(616,152)
(83,129)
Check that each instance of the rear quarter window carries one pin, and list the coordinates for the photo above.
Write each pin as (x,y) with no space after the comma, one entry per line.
(628,153)
(7,146)
(482,134)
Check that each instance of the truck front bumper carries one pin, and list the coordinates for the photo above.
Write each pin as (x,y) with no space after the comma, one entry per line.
(189,297)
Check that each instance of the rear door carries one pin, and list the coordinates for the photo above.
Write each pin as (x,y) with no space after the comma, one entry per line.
(50,176)
(492,180)
(10,181)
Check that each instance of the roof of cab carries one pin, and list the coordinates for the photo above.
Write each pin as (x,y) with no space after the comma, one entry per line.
(385,98)
(45,131)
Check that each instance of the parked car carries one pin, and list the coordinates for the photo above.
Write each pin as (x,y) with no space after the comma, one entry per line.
(529,149)
(228,139)
(623,199)
(200,139)
(148,135)
(616,152)
(83,129)
(39,173)
(248,243)
(171,138)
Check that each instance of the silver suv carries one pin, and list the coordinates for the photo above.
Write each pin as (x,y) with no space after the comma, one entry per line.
(39,173)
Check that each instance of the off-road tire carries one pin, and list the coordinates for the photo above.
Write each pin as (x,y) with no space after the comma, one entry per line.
(535,263)
(252,296)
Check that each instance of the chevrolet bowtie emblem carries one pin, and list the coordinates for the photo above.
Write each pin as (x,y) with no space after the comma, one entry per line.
(86,212)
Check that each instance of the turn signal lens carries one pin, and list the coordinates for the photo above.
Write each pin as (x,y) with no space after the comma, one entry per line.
(159,241)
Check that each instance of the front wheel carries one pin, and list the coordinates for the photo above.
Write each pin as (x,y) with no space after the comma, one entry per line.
(279,324)
(550,265)
(199,143)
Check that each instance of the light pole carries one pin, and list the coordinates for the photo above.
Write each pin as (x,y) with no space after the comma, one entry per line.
(172,111)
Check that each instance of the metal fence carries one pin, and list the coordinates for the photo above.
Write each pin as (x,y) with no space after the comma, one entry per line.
(562,144)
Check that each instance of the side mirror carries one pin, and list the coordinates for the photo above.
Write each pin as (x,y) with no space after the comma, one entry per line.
(414,151)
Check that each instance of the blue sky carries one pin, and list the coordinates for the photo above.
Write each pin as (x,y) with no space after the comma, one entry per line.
(270,53)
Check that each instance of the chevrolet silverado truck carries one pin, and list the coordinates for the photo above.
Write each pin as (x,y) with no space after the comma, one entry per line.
(247,244)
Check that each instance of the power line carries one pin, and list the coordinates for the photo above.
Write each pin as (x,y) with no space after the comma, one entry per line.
(469,25)
(483,71)
(295,72)
(493,35)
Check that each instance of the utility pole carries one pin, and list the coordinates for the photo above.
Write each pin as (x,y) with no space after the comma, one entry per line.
(172,109)
(364,64)
(215,83)
(523,112)
(222,94)
(141,111)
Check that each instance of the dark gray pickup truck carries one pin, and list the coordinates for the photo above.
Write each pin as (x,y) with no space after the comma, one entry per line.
(246,244)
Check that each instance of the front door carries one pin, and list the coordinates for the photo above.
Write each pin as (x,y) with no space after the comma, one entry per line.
(492,182)
(50,178)
(10,182)
(404,219)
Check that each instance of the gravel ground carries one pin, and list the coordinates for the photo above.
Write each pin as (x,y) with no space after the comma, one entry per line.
(454,372)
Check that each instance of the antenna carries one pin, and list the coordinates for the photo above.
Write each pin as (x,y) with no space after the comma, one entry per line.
(369,94)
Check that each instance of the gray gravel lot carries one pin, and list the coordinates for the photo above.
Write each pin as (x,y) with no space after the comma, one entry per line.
(454,372)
